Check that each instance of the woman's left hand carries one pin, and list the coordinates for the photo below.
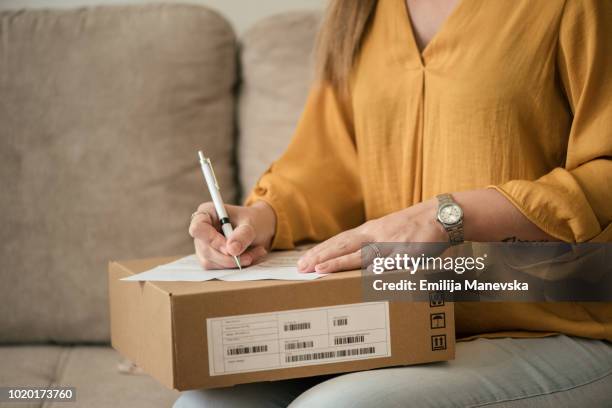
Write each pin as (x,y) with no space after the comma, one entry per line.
(343,251)
(488,217)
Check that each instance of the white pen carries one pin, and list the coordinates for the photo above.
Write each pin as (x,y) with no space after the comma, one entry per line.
(215,194)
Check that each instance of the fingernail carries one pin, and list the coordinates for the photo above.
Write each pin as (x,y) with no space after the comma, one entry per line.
(246,259)
(301,264)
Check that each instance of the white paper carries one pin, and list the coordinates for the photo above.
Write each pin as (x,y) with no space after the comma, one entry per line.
(277,265)
(298,337)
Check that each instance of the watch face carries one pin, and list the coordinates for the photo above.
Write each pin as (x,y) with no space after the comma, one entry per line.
(450,214)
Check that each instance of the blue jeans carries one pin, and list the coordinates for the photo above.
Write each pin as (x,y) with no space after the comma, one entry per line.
(557,371)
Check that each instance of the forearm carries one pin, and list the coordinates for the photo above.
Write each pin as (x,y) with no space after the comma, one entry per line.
(490,217)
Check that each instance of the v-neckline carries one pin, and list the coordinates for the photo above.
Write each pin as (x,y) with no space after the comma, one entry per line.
(448,21)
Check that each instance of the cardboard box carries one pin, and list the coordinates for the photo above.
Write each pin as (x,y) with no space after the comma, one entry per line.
(165,328)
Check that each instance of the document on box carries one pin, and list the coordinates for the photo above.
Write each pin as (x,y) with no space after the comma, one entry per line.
(277,265)
(299,337)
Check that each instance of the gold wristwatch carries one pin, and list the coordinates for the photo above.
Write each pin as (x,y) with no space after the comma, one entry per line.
(450,215)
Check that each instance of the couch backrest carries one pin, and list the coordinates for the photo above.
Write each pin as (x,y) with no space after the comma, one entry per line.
(276,59)
(101,113)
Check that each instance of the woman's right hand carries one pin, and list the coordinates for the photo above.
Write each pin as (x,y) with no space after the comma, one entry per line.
(254,228)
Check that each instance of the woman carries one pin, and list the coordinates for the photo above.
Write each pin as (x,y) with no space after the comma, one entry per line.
(502,105)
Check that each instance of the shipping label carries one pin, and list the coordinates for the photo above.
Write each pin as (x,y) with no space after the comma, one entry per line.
(299,337)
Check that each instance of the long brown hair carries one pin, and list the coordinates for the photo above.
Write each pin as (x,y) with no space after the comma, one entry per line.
(340,38)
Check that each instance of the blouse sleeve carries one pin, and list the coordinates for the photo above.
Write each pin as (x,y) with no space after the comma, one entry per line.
(314,188)
(574,203)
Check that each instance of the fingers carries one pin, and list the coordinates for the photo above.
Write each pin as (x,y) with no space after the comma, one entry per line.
(240,239)
(211,258)
(202,228)
(256,253)
(196,222)
(213,250)
(342,263)
(206,234)
(342,244)
(207,264)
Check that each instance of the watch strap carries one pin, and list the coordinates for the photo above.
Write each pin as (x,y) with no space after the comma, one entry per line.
(444,199)
(455,232)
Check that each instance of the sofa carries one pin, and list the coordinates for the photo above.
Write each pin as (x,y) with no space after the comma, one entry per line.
(102,111)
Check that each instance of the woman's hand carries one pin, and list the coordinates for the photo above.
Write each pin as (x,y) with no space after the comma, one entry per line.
(343,252)
(487,217)
(254,228)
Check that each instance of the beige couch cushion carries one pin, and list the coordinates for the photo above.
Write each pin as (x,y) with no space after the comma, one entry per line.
(102,112)
(276,74)
(91,370)
(28,366)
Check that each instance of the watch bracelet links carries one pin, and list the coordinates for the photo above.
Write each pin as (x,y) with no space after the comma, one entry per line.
(455,233)
(444,199)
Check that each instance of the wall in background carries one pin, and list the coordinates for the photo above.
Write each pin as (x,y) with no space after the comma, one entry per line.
(241,13)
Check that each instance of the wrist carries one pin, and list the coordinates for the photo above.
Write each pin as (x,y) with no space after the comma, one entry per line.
(440,234)
(427,216)
(265,220)
(450,216)
(490,217)
(485,215)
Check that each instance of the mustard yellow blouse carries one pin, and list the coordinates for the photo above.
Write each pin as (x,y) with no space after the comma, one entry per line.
(513,94)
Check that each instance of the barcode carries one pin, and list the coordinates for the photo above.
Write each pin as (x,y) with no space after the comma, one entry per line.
(356,352)
(295,345)
(338,340)
(330,354)
(297,326)
(342,321)
(310,356)
(247,350)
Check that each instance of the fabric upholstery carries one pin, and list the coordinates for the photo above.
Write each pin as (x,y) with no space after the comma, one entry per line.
(33,365)
(102,112)
(276,58)
(91,370)
(28,366)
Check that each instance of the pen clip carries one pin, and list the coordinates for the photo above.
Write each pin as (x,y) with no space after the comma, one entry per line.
(213,173)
